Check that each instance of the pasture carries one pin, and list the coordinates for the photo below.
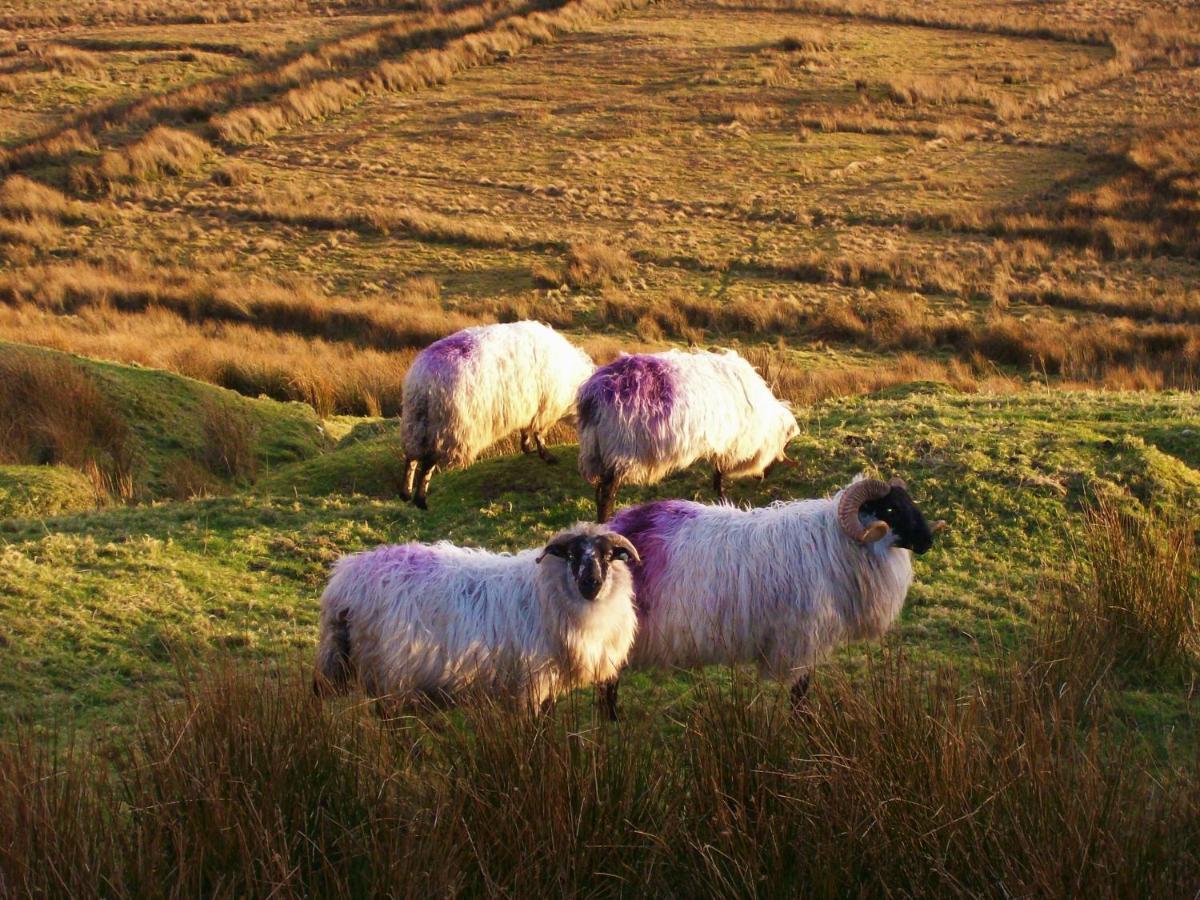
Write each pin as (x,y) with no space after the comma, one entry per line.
(961,238)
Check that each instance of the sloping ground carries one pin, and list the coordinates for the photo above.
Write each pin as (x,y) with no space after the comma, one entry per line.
(94,607)
(177,423)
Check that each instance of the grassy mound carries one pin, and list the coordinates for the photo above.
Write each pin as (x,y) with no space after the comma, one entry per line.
(144,433)
(34,492)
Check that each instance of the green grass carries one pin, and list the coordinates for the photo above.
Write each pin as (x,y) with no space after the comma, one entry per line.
(28,492)
(95,606)
(166,415)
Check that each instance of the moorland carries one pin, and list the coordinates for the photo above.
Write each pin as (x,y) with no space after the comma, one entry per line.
(960,237)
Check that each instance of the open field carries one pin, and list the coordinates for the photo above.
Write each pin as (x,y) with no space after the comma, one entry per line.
(963,238)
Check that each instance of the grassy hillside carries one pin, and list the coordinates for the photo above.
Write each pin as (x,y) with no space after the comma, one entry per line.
(96,604)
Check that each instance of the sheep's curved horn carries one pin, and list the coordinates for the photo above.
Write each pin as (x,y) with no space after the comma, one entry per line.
(619,540)
(852,498)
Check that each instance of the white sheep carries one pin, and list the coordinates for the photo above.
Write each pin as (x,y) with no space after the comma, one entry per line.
(473,388)
(649,414)
(780,586)
(419,622)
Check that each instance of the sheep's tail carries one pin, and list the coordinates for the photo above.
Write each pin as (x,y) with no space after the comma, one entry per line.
(334,669)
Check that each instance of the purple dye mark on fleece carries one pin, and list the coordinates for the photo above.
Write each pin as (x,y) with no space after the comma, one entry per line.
(401,560)
(651,528)
(447,355)
(640,385)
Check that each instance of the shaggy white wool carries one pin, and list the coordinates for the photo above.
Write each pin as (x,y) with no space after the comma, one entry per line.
(465,392)
(710,406)
(780,586)
(440,620)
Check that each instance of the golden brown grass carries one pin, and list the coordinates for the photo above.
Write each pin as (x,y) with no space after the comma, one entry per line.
(203,100)
(975,18)
(244,784)
(420,69)
(329,376)
(1131,607)
(596,265)
(410,318)
(20,197)
(160,153)
(168,12)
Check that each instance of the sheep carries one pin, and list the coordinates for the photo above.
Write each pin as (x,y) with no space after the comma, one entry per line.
(649,414)
(470,389)
(781,585)
(431,623)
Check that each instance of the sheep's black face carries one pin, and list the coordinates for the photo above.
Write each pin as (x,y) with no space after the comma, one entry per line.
(588,558)
(903,518)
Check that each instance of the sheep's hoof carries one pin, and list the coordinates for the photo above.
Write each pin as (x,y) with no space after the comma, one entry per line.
(420,503)
(550,460)
(405,495)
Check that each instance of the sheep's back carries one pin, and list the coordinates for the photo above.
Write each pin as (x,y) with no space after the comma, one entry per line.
(466,391)
(648,414)
(438,618)
(778,586)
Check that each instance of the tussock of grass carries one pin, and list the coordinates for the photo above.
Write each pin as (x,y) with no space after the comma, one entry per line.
(21,197)
(1133,609)
(162,152)
(596,265)
(230,441)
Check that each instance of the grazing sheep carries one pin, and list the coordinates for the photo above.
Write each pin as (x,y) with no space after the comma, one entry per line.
(649,414)
(781,586)
(434,622)
(467,391)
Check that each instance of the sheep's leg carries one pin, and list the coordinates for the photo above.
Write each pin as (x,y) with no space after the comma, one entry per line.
(719,485)
(526,443)
(606,495)
(410,474)
(542,451)
(424,474)
(800,691)
(606,697)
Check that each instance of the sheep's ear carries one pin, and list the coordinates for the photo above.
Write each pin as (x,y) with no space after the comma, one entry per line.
(557,548)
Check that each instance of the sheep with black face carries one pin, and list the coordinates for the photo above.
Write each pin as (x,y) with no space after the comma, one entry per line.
(780,586)
(437,622)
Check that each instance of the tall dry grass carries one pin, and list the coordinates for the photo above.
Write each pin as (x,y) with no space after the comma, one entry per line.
(411,317)
(53,412)
(332,377)
(160,153)
(1132,610)
(900,781)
